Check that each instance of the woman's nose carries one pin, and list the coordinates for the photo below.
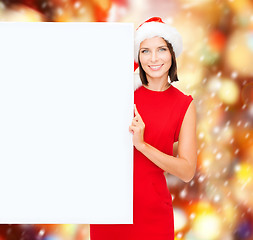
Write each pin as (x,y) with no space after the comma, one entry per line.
(154,56)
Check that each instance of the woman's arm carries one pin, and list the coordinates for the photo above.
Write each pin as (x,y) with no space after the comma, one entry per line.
(184,166)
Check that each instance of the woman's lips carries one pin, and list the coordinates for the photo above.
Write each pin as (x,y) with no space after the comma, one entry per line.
(155,67)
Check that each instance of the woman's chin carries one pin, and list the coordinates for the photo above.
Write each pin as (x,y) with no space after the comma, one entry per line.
(156,75)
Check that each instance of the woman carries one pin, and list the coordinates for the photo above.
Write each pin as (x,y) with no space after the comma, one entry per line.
(163,115)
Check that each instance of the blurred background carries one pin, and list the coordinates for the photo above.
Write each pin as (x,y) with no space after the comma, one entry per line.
(216,68)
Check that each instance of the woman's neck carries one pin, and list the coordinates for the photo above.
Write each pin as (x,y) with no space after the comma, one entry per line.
(160,86)
(157,84)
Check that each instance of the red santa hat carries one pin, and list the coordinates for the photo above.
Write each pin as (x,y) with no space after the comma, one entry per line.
(151,28)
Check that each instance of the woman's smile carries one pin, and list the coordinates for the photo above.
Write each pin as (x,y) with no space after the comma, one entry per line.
(155,67)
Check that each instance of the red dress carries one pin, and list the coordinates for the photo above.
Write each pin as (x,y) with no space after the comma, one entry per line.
(153,219)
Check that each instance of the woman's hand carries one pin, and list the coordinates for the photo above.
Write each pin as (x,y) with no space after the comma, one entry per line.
(137,128)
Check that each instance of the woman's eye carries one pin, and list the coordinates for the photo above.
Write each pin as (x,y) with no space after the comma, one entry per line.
(163,49)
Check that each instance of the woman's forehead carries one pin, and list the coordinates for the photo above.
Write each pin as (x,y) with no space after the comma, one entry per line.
(152,42)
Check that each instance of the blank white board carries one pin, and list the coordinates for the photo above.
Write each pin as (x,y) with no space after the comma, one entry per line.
(66,103)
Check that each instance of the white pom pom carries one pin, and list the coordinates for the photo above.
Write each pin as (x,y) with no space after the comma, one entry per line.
(137,81)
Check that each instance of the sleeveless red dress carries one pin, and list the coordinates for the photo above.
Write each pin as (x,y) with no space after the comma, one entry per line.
(153,219)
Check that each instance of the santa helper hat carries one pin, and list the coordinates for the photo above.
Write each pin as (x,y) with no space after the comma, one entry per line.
(151,28)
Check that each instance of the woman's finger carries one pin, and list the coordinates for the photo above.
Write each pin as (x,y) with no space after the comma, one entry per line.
(138,116)
(136,111)
(135,118)
(133,128)
(135,122)
(130,130)
(138,122)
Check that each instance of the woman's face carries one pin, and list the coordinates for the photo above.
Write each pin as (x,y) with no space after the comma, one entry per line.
(155,57)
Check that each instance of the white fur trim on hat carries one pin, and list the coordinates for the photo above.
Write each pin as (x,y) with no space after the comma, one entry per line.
(152,29)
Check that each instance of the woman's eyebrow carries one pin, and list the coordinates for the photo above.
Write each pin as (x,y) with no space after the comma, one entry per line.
(157,47)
